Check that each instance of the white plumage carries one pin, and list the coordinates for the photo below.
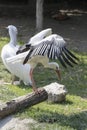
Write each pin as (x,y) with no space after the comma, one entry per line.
(50,47)
(39,36)
(11,48)
(9,52)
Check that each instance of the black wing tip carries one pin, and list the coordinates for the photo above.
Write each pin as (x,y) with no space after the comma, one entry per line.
(23,48)
(18,52)
(26,59)
(71,54)
(67,61)
(24,62)
(62,62)
(28,46)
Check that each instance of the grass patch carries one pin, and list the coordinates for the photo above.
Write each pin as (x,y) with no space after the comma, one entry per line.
(68,115)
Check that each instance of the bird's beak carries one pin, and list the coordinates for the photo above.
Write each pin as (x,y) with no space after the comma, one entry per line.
(58,73)
(6,27)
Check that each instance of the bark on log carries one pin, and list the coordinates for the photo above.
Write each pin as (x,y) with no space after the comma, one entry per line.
(22,102)
(54,93)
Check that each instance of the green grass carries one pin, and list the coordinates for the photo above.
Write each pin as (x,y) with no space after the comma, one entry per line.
(68,115)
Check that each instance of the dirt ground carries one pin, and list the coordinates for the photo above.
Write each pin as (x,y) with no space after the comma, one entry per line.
(11,123)
(73,30)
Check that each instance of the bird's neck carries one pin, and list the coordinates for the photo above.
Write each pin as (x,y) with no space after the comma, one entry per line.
(13,39)
(52,65)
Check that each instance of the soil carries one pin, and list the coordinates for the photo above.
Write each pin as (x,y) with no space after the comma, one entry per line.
(73,29)
(12,123)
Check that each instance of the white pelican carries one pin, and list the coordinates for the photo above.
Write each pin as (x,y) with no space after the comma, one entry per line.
(10,49)
(51,47)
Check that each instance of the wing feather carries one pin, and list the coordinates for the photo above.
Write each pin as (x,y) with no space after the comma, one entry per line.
(33,53)
(71,53)
(43,49)
(66,60)
(68,56)
(53,48)
(62,62)
(49,51)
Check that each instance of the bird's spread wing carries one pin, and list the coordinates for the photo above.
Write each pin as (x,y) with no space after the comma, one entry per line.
(53,48)
(35,40)
(39,36)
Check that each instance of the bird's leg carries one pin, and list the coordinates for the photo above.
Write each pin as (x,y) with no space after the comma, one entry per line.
(13,79)
(15,82)
(33,82)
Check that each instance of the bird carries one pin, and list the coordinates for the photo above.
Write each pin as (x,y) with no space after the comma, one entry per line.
(11,49)
(51,47)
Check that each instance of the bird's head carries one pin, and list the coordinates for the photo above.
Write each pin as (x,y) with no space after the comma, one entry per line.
(55,66)
(12,29)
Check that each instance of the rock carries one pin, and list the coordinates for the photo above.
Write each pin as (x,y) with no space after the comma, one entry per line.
(56,92)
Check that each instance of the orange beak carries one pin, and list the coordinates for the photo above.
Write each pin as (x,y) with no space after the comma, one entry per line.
(58,73)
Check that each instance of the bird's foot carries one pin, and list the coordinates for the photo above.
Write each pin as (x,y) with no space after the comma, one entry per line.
(37,91)
(16,83)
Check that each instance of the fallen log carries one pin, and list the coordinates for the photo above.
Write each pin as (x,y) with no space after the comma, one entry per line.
(31,99)
(22,102)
